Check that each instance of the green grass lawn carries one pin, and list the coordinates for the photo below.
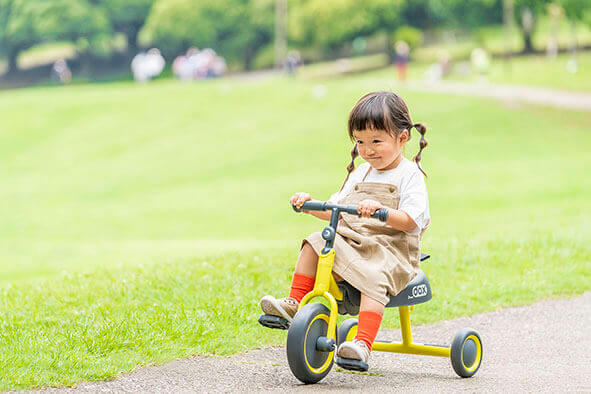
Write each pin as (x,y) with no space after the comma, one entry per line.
(143,223)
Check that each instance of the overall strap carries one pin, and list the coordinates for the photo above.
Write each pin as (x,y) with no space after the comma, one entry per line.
(366,174)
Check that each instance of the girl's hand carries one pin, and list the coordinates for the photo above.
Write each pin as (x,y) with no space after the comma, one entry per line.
(299,199)
(366,208)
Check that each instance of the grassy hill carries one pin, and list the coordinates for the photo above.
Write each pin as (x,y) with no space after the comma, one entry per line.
(141,223)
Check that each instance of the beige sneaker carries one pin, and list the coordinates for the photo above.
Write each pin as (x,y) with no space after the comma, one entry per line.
(355,350)
(283,307)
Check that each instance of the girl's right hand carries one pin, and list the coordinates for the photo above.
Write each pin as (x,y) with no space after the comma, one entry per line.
(299,199)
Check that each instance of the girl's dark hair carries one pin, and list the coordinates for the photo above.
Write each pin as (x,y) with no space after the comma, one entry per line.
(383,111)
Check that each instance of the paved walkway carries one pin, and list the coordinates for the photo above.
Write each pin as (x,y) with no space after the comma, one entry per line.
(543,347)
(507,93)
(533,95)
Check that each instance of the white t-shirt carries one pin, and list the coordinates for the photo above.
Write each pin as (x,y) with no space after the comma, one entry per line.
(411,187)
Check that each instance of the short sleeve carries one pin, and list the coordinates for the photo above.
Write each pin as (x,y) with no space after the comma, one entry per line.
(415,201)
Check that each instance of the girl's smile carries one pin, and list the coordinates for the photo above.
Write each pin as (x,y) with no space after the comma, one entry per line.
(379,148)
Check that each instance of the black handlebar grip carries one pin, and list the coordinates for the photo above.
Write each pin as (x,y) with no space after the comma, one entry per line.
(381,214)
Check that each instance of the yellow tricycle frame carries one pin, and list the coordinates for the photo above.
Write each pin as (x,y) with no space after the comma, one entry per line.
(326,287)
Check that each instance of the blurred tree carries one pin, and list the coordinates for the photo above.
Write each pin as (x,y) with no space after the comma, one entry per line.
(330,24)
(577,11)
(128,17)
(427,14)
(236,29)
(411,35)
(526,12)
(465,14)
(25,23)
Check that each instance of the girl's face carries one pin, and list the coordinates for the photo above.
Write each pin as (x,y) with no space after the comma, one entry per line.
(380,149)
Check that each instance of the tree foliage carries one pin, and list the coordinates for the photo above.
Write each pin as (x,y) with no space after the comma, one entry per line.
(25,23)
(577,10)
(236,29)
(128,17)
(330,24)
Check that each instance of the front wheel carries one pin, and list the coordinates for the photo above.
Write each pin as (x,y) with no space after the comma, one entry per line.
(306,362)
(466,352)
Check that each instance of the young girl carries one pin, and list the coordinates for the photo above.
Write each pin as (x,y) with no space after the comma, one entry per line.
(379,259)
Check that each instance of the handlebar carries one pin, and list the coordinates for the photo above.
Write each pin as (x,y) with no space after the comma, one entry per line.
(381,214)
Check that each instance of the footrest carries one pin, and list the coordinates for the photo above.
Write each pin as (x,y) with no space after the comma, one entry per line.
(351,364)
(271,321)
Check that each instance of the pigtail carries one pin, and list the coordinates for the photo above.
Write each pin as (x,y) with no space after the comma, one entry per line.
(351,166)
(422,144)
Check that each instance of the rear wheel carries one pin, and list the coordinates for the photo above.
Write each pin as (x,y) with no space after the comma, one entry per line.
(347,331)
(306,362)
(466,352)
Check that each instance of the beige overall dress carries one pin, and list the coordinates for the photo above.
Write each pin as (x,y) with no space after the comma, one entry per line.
(373,257)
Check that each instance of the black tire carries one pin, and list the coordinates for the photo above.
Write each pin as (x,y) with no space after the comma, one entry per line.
(307,363)
(349,326)
(466,352)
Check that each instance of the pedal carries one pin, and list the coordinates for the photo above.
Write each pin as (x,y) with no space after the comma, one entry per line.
(271,321)
(351,364)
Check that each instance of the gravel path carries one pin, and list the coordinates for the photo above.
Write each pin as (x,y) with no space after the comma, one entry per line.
(543,347)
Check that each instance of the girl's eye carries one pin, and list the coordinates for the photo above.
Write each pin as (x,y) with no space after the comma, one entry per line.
(359,142)
(376,141)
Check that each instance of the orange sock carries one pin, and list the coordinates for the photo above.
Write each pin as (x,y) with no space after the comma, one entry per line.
(368,327)
(301,285)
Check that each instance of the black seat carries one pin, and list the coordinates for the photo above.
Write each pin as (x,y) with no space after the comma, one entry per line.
(416,292)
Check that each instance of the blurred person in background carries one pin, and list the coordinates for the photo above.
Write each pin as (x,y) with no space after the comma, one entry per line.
(181,68)
(137,67)
(219,66)
(444,62)
(196,64)
(154,62)
(147,65)
(60,72)
(401,58)
(292,62)
(480,62)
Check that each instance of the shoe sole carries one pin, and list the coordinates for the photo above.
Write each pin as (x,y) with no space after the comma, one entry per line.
(275,322)
(351,364)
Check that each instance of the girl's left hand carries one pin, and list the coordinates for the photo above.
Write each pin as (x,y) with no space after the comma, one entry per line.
(366,208)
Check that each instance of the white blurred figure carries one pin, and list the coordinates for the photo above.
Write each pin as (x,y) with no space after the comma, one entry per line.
(219,66)
(434,73)
(183,67)
(154,62)
(572,66)
(178,65)
(480,61)
(138,69)
(319,92)
(199,62)
(147,65)
(208,60)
